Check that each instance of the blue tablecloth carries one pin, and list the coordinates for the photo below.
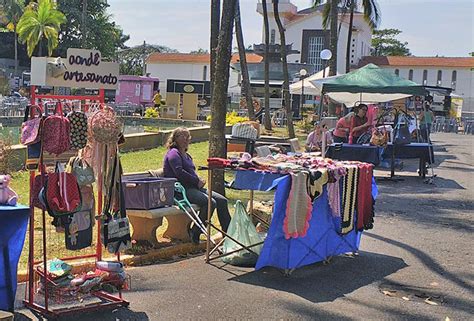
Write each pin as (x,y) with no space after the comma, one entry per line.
(322,239)
(13,223)
(374,154)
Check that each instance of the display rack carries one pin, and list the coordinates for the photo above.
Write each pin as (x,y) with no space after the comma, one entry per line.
(68,304)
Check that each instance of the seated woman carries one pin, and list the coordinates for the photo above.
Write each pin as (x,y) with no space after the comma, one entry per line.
(179,164)
(359,123)
(343,127)
(314,141)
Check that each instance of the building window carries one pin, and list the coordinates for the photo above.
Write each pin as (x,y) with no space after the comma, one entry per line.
(397,72)
(272,36)
(204,73)
(425,77)
(410,74)
(315,46)
(454,76)
(439,78)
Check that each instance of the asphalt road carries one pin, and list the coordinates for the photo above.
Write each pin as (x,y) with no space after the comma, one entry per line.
(416,264)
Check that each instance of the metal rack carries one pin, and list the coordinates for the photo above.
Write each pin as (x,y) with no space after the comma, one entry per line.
(50,292)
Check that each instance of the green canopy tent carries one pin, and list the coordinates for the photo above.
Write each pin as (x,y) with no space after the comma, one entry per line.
(370,84)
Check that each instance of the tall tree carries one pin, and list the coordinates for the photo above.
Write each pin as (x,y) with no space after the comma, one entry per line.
(266,119)
(371,15)
(13,10)
(246,91)
(286,76)
(96,29)
(38,23)
(215,26)
(221,83)
(385,43)
(330,16)
(131,59)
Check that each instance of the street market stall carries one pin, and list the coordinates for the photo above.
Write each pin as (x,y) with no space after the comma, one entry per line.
(320,209)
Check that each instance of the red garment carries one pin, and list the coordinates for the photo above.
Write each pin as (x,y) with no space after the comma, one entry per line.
(356,122)
(216,162)
(365,202)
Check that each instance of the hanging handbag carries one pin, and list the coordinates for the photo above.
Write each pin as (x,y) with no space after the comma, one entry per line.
(78,129)
(78,230)
(61,193)
(115,228)
(364,138)
(82,170)
(104,126)
(402,134)
(32,125)
(33,153)
(379,137)
(38,184)
(56,130)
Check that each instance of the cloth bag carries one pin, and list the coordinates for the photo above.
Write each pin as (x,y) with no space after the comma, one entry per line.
(56,129)
(379,137)
(78,130)
(82,170)
(115,227)
(31,128)
(78,231)
(242,229)
(104,126)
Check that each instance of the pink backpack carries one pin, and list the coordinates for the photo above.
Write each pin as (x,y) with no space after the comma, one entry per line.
(56,130)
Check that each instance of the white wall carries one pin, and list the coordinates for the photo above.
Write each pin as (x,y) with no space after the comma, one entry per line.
(165,71)
(464,80)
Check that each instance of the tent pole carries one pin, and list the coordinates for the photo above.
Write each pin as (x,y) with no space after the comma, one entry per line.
(321,105)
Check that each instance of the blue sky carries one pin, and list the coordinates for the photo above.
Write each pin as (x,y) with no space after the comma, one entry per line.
(431,27)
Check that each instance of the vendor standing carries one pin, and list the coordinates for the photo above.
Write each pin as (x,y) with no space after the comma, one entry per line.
(359,123)
(179,164)
(343,127)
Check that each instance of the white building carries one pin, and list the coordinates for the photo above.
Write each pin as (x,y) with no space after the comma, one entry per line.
(304,29)
(451,72)
(186,66)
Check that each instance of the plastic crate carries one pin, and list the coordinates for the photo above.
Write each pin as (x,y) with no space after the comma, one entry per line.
(148,193)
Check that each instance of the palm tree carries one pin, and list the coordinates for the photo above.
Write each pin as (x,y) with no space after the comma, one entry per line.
(38,23)
(13,11)
(371,15)
(286,77)
(246,91)
(221,83)
(215,22)
(266,120)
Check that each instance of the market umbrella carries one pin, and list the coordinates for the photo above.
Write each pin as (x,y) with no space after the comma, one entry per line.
(369,84)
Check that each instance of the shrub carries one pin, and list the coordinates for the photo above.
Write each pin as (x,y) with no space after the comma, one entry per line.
(231,118)
(305,125)
(151,112)
(7,158)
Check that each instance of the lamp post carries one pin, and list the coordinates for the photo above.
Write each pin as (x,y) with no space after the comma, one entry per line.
(302,74)
(325,55)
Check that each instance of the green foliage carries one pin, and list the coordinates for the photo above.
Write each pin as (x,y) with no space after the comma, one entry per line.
(7,157)
(40,21)
(200,51)
(385,44)
(102,33)
(305,125)
(4,86)
(151,112)
(231,118)
(12,12)
(131,59)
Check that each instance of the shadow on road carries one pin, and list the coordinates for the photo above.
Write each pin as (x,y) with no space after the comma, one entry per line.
(325,283)
(118,314)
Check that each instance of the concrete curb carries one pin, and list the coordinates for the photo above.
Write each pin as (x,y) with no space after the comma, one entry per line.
(166,253)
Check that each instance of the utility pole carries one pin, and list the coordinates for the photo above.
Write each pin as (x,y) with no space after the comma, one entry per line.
(144,58)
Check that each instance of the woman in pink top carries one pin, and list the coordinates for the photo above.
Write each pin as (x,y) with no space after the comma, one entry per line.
(343,126)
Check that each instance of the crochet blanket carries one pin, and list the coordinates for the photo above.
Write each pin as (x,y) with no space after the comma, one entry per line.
(298,207)
(349,198)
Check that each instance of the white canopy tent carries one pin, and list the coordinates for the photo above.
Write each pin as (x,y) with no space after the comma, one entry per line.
(309,87)
(350,99)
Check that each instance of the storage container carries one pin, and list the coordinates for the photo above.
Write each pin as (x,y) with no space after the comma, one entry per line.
(147,193)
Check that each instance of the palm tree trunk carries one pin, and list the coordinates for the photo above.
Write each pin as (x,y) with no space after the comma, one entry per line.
(266,121)
(217,140)
(16,52)
(286,76)
(244,70)
(349,36)
(333,38)
(215,22)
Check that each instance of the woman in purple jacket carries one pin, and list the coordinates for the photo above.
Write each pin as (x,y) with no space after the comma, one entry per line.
(179,164)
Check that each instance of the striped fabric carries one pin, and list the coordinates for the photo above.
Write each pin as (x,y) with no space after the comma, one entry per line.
(298,207)
(349,199)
